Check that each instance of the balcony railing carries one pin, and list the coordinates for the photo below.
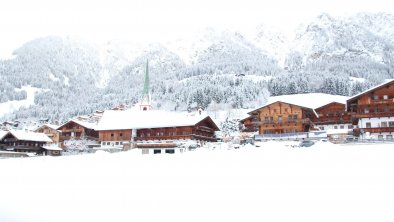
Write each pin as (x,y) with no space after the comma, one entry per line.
(374,130)
(373,114)
(303,121)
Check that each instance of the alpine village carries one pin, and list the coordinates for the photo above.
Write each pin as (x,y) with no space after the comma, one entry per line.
(365,117)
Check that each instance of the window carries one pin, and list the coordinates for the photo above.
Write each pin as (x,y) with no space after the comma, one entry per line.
(120,134)
(321,127)
(342,127)
(366,110)
(112,135)
(368,124)
(375,97)
(156,151)
(335,127)
(266,119)
(117,143)
(271,119)
(170,151)
(384,124)
(350,126)
(391,124)
(145,151)
(385,97)
(380,137)
(280,119)
(157,133)
(389,137)
(295,117)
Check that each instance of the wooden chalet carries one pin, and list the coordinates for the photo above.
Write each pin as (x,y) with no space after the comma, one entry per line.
(24,141)
(117,128)
(373,112)
(76,130)
(249,124)
(332,116)
(281,117)
(51,131)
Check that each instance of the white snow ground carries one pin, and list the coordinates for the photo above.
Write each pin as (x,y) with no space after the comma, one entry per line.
(275,182)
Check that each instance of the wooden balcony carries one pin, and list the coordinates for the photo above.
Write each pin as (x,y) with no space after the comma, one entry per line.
(373,115)
(378,102)
(302,121)
(176,137)
(374,130)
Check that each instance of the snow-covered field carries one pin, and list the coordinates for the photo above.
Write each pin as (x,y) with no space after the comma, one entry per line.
(274,182)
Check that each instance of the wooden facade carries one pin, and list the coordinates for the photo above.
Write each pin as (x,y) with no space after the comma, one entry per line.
(76,130)
(203,130)
(332,114)
(249,125)
(10,142)
(373,109)
(280,117)
(51,132)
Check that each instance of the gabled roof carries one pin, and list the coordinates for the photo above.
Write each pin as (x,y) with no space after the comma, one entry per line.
(353,98)
(330,104)
(130,119)
(386,83)
(303,107)
(81,123)
(49,126)
(28,136)
(309,100)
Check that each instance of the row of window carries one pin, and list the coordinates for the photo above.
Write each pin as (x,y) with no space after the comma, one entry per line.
(381,124)
(376,97)
(280,118)
(336,127)
(376,109)
(284,131)
(162,134)
(112,143)
(388,137)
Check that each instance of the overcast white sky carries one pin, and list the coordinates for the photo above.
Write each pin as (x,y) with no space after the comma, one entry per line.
(23,20)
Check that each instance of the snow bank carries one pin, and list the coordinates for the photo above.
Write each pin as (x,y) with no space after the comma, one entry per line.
(275,182)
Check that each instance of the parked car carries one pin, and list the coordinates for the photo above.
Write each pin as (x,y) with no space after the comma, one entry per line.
(306,143)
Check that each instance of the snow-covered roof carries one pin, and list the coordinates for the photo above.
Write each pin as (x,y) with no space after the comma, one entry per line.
(309,100)
(131,119)
(30,136)
(387,82)
(88,125)
(308,108)
(2,134)
(52,126)
(53,147)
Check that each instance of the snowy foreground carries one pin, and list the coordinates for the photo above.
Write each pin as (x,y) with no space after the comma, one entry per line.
(275,182)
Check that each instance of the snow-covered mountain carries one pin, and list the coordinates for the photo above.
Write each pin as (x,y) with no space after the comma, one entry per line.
(324,55)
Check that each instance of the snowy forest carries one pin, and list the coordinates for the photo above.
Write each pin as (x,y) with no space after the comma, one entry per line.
(341,56)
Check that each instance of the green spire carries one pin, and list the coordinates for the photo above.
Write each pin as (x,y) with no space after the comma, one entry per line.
(146,84)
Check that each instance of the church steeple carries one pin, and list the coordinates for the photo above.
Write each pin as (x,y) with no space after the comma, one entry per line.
(146,102)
